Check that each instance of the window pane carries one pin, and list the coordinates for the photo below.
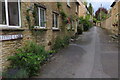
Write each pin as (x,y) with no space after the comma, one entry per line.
(2,12)
(53,20)
(13,13)
(36,15)
(56,21)
(42,18)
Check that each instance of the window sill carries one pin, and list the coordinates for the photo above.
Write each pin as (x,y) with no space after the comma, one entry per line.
(55,29)
(44,29)
(11,29)
(71,29)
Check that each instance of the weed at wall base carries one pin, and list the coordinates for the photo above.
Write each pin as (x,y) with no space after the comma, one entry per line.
(29,57)
(61,43)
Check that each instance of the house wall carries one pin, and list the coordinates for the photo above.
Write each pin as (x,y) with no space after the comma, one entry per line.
(82,10)
(113,19)
(44,37)
(119,17)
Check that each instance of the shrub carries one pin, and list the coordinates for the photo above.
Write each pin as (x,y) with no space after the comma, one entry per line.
(80,31)
(66,41)
(29,61)
(86,23)
(86,26)
(32,47)
(29,57)
(61,42)
(15,73)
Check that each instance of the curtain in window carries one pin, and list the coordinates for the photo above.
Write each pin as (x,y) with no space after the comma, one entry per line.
(42,18)
(2,12)
(13,13)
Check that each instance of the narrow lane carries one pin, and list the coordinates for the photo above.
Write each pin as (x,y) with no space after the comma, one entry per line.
(93,55)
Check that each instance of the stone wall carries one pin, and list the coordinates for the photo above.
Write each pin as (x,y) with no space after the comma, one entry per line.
(83,10)
(44,37)
(112,23)
(107,24)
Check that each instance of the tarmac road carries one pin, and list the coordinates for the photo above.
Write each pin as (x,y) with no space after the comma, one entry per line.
(92,55)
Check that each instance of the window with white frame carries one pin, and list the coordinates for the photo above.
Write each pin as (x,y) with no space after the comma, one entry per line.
(69,26)
(55,21)
(10,13)
(77,8)
(72,25)
(41,18)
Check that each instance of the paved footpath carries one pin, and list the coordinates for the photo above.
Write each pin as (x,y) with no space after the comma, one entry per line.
(93,55)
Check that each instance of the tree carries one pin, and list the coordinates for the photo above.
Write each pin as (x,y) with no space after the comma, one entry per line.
(90,9)
(101,13)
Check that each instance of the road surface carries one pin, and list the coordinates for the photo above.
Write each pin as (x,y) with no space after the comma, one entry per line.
(92,55)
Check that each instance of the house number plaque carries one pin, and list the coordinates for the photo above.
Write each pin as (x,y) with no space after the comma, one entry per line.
(10,37)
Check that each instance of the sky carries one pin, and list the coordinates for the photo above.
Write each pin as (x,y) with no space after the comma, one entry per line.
(97,3)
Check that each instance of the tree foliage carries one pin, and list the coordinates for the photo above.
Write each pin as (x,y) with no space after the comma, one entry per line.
(101,13)
(90,9)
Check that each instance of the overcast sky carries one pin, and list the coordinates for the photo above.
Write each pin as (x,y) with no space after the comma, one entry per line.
(97,3)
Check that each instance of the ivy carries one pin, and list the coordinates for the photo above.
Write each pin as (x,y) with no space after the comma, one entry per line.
(59,5)
(28,17)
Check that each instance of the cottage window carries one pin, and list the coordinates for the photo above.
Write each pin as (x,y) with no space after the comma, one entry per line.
(2,13)
(55,20)
(77,8)
(72,25)
(42,19)
(10,13)
(69,26)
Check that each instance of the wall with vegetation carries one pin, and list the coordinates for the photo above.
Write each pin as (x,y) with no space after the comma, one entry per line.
(112,23)
(44,37)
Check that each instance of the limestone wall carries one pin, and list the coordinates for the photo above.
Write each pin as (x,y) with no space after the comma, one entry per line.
(112,23)
(45,37)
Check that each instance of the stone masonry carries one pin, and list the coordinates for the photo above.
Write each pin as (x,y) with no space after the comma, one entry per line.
(44,37)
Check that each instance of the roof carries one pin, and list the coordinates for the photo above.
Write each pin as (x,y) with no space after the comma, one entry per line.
(113,3)
(78,1)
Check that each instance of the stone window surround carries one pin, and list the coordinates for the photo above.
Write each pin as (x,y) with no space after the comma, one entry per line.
(55,14)
(7,18)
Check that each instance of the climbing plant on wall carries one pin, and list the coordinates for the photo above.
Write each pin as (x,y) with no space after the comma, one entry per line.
(35,31)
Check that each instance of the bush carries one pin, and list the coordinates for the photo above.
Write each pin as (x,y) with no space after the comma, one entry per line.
(29,57)
(86,23)
(61,42)
(80,31)
(66,40)
(15,73)
(29,61)
(32,47)
(86,26)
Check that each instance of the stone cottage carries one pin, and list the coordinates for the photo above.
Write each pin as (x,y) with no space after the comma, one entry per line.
(113,19)
(37,21)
